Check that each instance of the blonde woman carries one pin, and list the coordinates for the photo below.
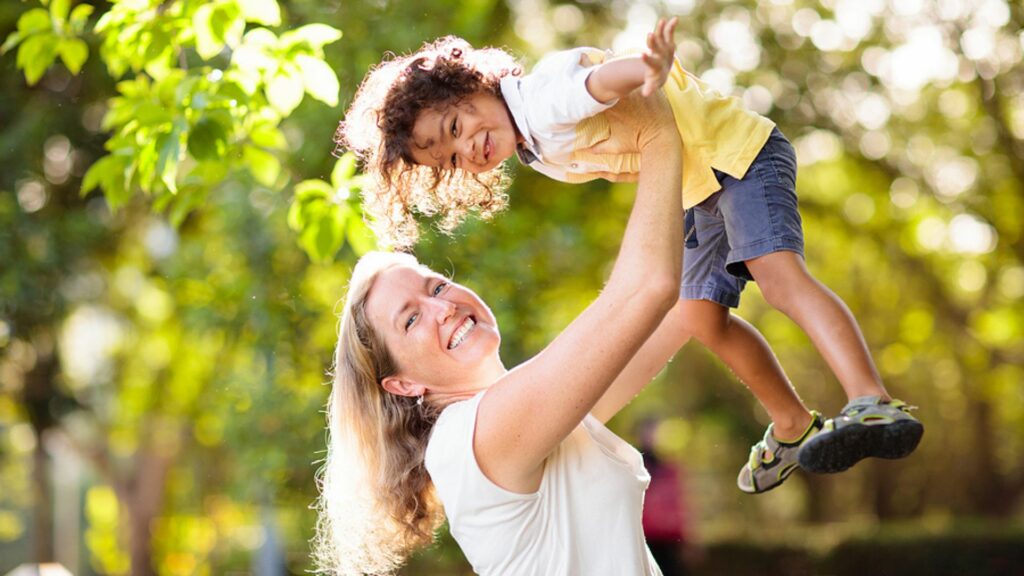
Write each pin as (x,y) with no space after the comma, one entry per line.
(426,422)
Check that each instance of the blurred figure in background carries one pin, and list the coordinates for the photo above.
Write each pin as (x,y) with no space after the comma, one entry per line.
(666,517)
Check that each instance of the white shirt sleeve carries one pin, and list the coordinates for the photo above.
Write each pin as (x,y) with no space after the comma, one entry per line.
(555,92)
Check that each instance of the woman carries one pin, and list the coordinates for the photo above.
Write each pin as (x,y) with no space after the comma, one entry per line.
(423,413)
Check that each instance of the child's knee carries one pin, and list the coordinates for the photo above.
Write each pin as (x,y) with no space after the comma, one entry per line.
(706,321)
(785,293)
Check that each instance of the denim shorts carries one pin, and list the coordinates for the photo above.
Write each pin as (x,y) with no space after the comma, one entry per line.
(747,218)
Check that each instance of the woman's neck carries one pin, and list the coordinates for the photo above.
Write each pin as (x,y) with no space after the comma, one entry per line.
(443,398)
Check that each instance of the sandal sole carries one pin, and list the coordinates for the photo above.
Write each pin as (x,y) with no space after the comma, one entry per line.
(839,450)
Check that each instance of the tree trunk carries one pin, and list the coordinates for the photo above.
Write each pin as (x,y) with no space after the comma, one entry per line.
(42,512)
(145,500)
(38,396)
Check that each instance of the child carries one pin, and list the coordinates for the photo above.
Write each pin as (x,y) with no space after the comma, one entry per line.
(435,127)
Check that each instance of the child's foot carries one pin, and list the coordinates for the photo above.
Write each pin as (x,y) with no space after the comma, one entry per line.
(772,461)
(865,427)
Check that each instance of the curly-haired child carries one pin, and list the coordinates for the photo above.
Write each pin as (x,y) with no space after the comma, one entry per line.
(435,127)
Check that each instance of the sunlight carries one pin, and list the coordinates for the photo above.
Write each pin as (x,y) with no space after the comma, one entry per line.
(736,45)
(90,338)
(923,58)
(952,176)
(969,234)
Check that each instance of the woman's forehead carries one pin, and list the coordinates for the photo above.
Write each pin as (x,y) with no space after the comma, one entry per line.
(394,286)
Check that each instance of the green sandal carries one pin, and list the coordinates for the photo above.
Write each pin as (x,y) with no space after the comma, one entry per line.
(866,427)
(772,461)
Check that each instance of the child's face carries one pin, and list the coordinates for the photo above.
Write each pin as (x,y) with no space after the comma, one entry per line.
(475,135)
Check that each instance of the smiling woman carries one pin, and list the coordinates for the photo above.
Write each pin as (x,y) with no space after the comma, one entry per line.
(426,422)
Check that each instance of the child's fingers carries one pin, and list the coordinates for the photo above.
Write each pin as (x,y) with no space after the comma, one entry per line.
(668,32)
(670,29)
(661,40)
(652,61)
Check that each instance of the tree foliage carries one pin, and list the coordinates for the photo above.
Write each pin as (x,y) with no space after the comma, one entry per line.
(172,326)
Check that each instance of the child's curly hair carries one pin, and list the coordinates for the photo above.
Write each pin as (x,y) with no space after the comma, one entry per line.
(378,128)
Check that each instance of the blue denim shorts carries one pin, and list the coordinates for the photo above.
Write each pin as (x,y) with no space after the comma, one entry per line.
(747,218)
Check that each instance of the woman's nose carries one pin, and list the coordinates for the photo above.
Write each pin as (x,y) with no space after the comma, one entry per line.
(443,309)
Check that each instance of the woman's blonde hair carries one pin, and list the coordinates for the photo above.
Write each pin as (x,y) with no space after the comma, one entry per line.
(378,128)
(377,503)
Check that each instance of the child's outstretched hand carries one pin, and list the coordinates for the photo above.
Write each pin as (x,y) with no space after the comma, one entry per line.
(658,58)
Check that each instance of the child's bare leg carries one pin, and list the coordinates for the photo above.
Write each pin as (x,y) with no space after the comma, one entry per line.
(748,355)
(788,286)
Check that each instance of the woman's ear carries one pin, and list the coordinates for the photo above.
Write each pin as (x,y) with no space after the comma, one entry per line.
(402,387)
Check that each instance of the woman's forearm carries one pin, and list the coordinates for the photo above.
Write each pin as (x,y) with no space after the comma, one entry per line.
(528,413)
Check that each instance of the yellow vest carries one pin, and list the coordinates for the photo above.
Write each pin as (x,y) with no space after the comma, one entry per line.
(716,131)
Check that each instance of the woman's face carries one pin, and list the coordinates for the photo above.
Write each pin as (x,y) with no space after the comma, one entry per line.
(441,335)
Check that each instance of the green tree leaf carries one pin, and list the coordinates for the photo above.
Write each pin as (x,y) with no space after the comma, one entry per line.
(79,16)
(13,39)
(312,190)
(264,166)
(319,79)
(359,235)
(59,10)
(284,92)
(207,140)
(169,147)
(266,12)
(269,136)
(208,42)
(316,36)
(227,23)
(330,234)
(343,170)
(35,20)
(35,55)
(73,52)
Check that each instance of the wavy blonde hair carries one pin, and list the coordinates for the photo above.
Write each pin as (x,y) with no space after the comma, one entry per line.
(377,503)
(378,128)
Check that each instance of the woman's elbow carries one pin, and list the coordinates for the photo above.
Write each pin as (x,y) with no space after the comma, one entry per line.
(661,291)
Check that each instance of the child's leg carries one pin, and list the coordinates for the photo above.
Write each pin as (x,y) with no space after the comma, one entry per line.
(766,244)
(708,291)
(745,351)
(789,287)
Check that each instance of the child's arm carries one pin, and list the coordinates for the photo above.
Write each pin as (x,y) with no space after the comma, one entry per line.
(649,70)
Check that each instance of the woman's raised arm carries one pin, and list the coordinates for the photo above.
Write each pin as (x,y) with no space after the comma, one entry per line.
(525,415)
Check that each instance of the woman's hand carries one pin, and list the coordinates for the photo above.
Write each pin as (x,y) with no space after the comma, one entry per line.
(636,123)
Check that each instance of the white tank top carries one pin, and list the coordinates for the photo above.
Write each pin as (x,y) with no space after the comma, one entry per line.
(583,521)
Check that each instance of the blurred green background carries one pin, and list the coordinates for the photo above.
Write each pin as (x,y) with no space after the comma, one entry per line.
(165,336)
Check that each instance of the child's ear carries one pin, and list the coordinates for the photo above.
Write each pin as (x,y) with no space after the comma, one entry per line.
(402,387)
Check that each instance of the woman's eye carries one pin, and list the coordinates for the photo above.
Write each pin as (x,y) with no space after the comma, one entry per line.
(440,288)
(410,321)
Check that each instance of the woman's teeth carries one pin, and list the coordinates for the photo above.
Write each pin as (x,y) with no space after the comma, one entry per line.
(460,333)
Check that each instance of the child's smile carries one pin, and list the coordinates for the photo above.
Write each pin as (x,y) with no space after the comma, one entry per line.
(475,135)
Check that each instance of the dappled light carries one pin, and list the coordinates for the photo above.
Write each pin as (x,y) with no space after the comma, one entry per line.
(177,228)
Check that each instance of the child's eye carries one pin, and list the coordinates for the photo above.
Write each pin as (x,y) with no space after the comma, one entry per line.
(453,162)
(411,321)
(440,288)
(453,127)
